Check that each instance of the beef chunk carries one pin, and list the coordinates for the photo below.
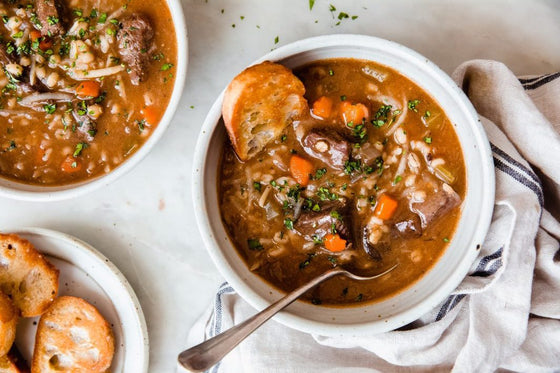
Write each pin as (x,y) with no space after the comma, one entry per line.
(436,204)
(320,223)
(330,148)
(49,13)
(408,226)
(135,40)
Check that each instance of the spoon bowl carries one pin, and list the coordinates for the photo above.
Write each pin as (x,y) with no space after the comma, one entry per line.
(206,354)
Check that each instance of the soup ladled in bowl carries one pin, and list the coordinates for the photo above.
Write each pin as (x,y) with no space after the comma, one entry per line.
(87,88)
(345,151)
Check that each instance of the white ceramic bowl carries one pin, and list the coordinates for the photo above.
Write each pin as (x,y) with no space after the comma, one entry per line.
(446,274)
(21,191)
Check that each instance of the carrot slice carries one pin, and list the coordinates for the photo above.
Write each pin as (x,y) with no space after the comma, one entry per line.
(71,164)
(34,35)
(386,207)
(44,42)
(150,114)
(322,107)
(300,169)
(88,88)
(334,243)
(353,113)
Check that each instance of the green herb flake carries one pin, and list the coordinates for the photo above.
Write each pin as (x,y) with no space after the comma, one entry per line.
(79,148)
(412,105)
(276,40)
(445,239)
(289,223)
(311,4)
(257,186)
(343,98)
(320,173)
(49,108)
(397,179)
(254,244)
(166,66)
(428,140)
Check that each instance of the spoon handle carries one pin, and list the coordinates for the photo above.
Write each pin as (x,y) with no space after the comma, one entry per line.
(205,355)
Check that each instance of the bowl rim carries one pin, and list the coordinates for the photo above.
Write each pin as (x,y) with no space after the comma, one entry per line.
(39,193)
(396,320)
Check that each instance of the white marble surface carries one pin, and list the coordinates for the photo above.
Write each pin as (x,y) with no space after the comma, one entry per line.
(144,222)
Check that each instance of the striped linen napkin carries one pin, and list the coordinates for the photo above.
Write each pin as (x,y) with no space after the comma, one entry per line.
(505,315)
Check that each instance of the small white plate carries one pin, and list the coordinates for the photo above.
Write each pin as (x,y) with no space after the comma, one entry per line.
(86,273)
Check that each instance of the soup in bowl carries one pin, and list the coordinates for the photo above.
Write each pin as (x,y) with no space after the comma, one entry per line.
(380,161)
(85,85)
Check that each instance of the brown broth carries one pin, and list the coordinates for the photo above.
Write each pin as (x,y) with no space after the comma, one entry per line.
(285,258)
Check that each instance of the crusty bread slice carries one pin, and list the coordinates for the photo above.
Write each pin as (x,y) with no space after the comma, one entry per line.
(8,322)
(72,336)
(13,362)
(26,276)
(258,105)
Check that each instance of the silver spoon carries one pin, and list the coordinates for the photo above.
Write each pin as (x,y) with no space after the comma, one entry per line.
(205,355)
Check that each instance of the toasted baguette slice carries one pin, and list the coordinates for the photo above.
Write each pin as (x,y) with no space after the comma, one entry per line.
(8,322)
(13,362)
(72,336)
(258,105)
(26,276)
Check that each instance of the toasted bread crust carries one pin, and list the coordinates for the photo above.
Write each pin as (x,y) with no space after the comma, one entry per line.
(73,336)
(26,276)
(258,105)
(8,321)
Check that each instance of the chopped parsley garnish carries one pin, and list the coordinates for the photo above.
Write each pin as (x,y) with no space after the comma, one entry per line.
(166,66)
(325,194)
(276,40)
(289,223)
(79,147)
(316,301)
(397,179)
(333,260)
(310,204)
(283,138)
(257,186)
(335,214)
(320,173)
(311,4)
(359,131)
(359,297)
(141,124)
(427,114)
(343,98)
(352,166)
(445,239)
(294,192)
(381,116)
(102,18)
(254,244)
(412,105)
(49,108)
(428,140)
(18,35)
(331,72)
(343,15)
